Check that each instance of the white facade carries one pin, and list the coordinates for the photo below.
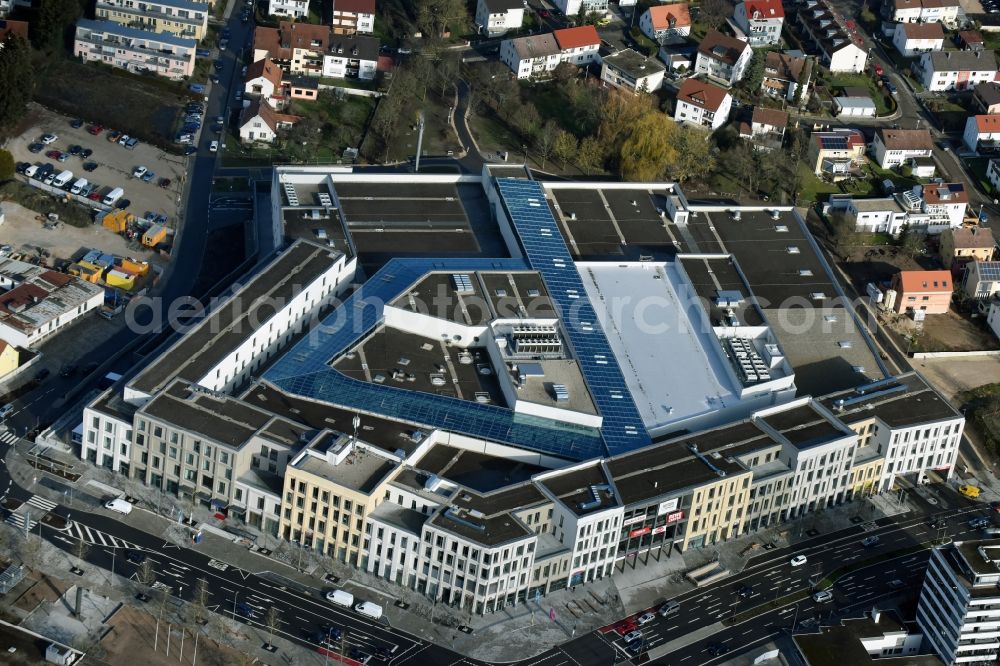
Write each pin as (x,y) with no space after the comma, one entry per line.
(876,215)
(918,449)
(910,44)
(341,66)
(573,7)
(763,26)
(980,279)
(107,439)
(134,50)
(955,70)
(993,173)
(848,58)
(921,11)
(497,17)
(897,154)
(959,602)
(257,130)
(698,115)
(855,107)
(993,318)
(719,68)
(981,128)
(667,31)
(296,9)
(525,65)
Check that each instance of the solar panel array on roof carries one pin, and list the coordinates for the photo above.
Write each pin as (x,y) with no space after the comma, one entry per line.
(834,143)
(304,370)
(989,270)
(546,252)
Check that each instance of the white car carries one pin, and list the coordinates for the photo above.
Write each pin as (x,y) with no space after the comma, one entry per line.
(49,139)
(213,147)
(139,172)
(645,618)
(823,596)
(798,560)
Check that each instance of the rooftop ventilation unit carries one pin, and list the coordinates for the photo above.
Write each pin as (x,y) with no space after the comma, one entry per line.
(457,515)
(561,392)
(775,214)
(463,283)
(737,215)
(595,501)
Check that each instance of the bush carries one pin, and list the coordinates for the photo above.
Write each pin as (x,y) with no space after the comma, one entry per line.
(905,171)
(6,165)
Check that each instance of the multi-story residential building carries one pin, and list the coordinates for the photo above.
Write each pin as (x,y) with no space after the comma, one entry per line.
(986,98)
(767,127)
(632,71)
(894,147)
(353,16)
(824,30)
(760,20)
(879,215)
(666,24)
(837,152)
(578,46)
(912,39)
(498,17)
(962,245)
(927,291)
(946,203)
(982,280)
(263,81)
(260,122)
(922,11)
(136,50)
(313,50)
(982,133)
(293,9)
(531,57)
(702,104)
(958,602)
(576,7)
(722,57)
(183,18)
(955,70)
(785,75)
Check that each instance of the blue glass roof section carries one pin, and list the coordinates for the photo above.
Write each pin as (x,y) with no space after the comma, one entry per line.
(303,370)
(546,252)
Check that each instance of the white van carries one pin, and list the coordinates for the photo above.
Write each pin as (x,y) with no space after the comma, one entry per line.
(63,179)
(340,597)
(78,186)
(113,196)
(374,611)
(31,171)
(119,506)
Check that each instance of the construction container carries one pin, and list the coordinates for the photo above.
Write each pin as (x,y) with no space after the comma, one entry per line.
(139,268)
(120,279)
(154,235)
(85,271)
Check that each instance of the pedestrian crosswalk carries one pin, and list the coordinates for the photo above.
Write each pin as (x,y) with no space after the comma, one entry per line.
(97,537)
(17,520)
(41,503)
(8,437)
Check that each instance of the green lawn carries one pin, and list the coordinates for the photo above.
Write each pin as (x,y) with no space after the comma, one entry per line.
(840,81)
(978,166)
(814,188)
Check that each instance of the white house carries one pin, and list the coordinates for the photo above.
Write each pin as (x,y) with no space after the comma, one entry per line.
(294,9)
(497,17)
(632,71)
(925,11)
(893,147)
(532,56)
(666,24)
(912,39)
(993,174)
(352,16)
(982,279)
(946,203)
(263,81)
(982,132)
(260,123)
(760,21)
(135,50)
(823,31)
(854,107)
(578,46)
(574,7)
(42,302)
(882,215)
(955,70)
(702,104)
(722,57)
(351,57)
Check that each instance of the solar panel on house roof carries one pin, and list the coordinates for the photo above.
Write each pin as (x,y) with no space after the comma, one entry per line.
(546,252)
(834,143)
(989,270)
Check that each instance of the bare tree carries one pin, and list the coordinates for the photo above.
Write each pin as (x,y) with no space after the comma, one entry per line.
(715,12)
(145,574)
(199,601)
(80,549)
(545,142)
(272,620)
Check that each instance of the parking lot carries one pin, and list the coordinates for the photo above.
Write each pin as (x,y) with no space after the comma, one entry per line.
(114,163)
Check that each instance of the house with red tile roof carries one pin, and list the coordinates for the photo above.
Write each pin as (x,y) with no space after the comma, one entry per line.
(579,45)
(263,81)
(760,20)
(702,104)
(666,24)
(722,57)
(260,123)
(982,133)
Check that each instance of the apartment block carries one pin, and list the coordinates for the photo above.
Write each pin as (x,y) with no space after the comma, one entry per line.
(183,18)
(135,50)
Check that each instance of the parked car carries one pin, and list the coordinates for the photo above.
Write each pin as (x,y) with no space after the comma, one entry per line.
(213,146)
(68,370)
(123,139)
(94,196)
(76,123)
(35,148)
(132,143)
(632,636)
(85,153)
(896,584)
(190,150)
(53,154)
(48,139)
(139,172)
(113,135)
(148,177)
(22,167)
(95,129)
(42,374)
(164,183)
(979,523)
(123,204)
(75,149)
(197,88)
(969,491)
(645,618)
(90,166)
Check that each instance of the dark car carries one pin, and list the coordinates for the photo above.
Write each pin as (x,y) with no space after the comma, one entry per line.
(90,367)
(85,153)
(896,584)
(332,633)
(717,649)
(76,123)
(89,166)
(745,591)
(42,374)
(243,610)
(190,150)
(68,370)
(214,78)
(217,64)
(382,653)
(35,148)
(226,33)
(123,204)
(23,166)
(75,149)
(135,556)
(870,541)
(53,154)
